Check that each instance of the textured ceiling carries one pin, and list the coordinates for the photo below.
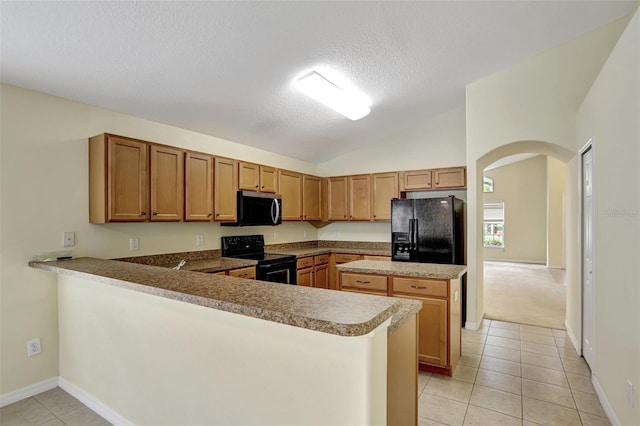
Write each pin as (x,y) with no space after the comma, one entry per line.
(226,68)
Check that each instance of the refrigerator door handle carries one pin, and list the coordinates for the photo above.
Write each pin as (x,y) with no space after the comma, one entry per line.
(415,234)
(411,234)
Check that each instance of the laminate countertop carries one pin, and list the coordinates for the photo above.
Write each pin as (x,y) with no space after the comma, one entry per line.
(328,311)
(404,269)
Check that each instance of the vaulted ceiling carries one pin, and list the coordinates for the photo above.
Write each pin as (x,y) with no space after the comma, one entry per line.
(226,68)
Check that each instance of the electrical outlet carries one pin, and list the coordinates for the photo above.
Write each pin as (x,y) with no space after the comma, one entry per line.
(133,243)
(630,393)
(199,240)
(33,347)
(68,239)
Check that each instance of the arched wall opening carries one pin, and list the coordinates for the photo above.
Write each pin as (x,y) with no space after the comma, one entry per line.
(475,297)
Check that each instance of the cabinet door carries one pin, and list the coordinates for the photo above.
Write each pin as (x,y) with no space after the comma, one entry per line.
(128,180)
(321,276)
(248,176)
(311,197)
(432,330)
(268,179)
(417,179)
(360,197)
(167,184)
(290,185)
(453,177)
(385,187)
(249,273)
(337,196)
(225,189)
(198,187)
(305,277)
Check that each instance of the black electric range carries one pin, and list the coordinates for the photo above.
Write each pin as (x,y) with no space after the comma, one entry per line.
(279,268)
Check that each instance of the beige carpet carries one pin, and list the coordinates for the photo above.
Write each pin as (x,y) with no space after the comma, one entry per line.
(524,293)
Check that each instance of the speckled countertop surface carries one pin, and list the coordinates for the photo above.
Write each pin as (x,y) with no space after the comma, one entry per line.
(217,264)
(404,269)
(314,251)
(328,311)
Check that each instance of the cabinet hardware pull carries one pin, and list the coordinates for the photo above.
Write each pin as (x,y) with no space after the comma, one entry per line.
(210,214)
(257,186)
(217,214)
(155,213)
(143,214)
(363,282)
(419,287)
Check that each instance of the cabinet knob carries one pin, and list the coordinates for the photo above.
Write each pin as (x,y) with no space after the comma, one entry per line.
(257,186)
(210,214)
(345,216)
(155,213)
(143,214)
(217,214)
(262,186)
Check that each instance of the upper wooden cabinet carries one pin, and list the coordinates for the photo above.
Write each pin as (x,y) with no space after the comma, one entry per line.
(385,187)
(253,177)
(118,179)
(452,177)
(360,197)
(337,198)
(225,189)
(311,197)
(167,183)
(198,187)
(290,186)
(416,180)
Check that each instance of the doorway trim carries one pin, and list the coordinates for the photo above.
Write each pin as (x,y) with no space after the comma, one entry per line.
(578,340)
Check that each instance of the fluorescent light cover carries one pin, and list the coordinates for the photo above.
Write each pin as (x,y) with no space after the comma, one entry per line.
(322,90)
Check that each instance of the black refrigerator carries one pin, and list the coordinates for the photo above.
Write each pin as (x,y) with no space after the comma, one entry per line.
(429,230)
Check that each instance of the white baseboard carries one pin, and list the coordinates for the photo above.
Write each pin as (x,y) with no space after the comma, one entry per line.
(28,391)
(474,325)
(608,409)
(529,261)
(555,267)
(98,406)
(574,340)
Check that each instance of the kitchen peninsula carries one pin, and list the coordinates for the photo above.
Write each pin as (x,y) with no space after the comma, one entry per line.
(157,345)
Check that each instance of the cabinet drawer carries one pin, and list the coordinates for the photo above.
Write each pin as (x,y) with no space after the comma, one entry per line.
(305,262)
(321,259)
(248,272)
(420,287)
(368,282)
(344,258)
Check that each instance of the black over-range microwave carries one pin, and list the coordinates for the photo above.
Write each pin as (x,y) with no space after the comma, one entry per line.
(257,208)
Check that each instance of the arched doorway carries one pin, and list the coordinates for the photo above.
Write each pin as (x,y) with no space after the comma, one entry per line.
(520,147)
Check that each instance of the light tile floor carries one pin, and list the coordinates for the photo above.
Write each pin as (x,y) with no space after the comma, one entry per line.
(512,374)
(509,374)
(54,407)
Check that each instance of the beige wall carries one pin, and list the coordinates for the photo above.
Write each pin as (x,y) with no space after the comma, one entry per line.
(610,116)
(556,198)
(522,186)
(45,192)
(529,107)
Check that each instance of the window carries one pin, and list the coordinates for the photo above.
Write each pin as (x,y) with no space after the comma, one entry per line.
(487,184)
(493,227)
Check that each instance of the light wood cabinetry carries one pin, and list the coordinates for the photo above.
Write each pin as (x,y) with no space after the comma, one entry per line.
(118,179)
(167,184)
(452,177)
(198,187)
(254,177)
(363,282)
(225,189)
(402,377)
(345,258)
(311,201)
(385,187)
(337,198)
(360,197)
(248,272)
(416,180)
(439,320)
(313,271)
(290,186)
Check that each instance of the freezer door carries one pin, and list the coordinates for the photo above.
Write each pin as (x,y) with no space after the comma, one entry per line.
(401,214)
(402,236)
(434,230)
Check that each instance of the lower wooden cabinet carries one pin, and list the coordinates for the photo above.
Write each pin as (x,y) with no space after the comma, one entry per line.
(321,276)
(313,271)
(249,273)
(305,277)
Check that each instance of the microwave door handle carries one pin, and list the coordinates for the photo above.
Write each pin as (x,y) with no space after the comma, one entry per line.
(274,217)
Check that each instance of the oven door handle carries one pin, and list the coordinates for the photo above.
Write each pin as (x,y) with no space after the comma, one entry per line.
(275,214)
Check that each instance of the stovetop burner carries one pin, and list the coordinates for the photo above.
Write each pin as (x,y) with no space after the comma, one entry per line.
(250,247)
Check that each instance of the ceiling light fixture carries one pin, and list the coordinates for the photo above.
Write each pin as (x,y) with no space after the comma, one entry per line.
(322,90)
